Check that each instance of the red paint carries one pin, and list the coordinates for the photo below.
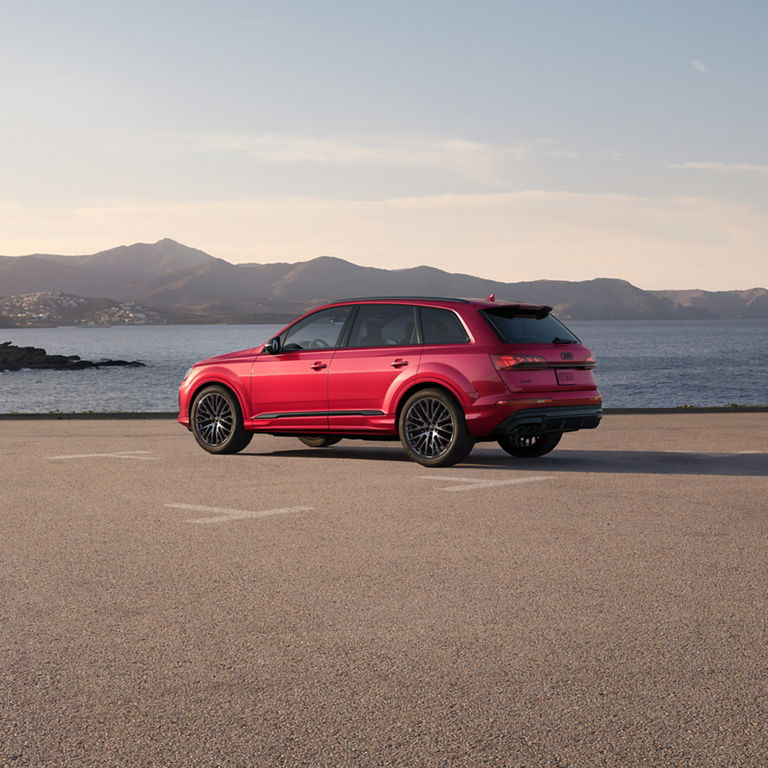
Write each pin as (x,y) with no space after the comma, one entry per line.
(355,390)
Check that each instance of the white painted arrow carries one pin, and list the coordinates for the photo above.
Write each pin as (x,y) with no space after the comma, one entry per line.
(140,455)
(473,484)
(224,515)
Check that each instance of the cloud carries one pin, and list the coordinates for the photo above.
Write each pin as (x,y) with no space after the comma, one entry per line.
(732,168)
(696,64)
(476,161)
(473,160)
(284,149)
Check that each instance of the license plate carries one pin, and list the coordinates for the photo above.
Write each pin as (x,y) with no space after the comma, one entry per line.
(565,377)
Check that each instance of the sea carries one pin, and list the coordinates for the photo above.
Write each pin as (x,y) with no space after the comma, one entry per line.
(640,364)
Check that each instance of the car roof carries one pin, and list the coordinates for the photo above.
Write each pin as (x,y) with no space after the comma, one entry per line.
(487,303)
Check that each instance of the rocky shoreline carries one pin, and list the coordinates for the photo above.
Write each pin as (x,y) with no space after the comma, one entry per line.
(13,358)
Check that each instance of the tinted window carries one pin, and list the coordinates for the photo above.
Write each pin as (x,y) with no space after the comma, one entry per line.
(317,331)
(441,326)
(379,325)
(519,328)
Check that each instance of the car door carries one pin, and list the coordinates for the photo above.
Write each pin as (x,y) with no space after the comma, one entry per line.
(289,390)
(380,356)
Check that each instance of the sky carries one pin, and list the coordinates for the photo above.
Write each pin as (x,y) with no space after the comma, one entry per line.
(509,139)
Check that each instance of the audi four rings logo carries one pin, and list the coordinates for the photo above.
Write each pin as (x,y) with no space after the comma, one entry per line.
(566,355)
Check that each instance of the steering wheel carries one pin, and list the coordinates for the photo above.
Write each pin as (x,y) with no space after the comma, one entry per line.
(318,343)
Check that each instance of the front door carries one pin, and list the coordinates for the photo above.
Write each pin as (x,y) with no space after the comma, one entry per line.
(289,390)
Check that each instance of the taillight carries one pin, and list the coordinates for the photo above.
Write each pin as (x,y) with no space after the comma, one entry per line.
(510,362)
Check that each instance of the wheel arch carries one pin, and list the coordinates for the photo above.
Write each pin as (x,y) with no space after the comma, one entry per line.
(200,386)
(417,387)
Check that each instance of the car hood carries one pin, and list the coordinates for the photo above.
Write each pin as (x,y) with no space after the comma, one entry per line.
(231,357)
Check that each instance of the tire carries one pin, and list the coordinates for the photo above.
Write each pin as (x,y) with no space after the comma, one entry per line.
(318,441)
(530,446)
(217,422)
(433,430)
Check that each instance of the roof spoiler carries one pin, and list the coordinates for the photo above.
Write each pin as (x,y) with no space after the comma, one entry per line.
(537,311)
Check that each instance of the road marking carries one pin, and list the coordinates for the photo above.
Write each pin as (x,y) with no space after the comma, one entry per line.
(472,484)
(140,455)
(223,515)
(705,455)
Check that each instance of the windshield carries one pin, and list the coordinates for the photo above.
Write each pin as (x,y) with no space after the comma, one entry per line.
(515,327)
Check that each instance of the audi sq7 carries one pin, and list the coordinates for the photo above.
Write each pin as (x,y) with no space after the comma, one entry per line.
(440,374)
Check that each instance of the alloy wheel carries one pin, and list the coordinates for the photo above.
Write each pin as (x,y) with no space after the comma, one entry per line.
(429,427)
(214,419)
(529,446)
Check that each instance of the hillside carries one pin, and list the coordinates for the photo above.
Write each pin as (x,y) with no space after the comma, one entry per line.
(751,304)
(178,280)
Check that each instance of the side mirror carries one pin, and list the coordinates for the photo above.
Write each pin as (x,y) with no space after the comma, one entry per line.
(273,345)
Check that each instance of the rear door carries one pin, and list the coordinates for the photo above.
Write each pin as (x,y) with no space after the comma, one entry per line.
(380,357)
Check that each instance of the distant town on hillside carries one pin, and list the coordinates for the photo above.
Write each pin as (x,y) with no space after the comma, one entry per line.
(167,282)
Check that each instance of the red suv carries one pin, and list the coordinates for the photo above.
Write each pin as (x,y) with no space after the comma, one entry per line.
(438,373)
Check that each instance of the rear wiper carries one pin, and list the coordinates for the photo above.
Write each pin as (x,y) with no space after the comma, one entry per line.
(558,340)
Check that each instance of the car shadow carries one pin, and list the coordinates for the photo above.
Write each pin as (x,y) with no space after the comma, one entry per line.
(605,461)
(633,462)
(354,451)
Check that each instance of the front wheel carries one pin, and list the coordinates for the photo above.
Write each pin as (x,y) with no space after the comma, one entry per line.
(529,446)
(217,423)
(433,430)
(318,441)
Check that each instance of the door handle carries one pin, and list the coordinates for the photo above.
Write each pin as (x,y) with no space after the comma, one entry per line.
(318,366)
(399,363)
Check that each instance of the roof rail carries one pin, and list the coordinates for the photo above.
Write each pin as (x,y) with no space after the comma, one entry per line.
(404,298)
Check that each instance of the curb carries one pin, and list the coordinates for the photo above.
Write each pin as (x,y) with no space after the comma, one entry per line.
(690,409)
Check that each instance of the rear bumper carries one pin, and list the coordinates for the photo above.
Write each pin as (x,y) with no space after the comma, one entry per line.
(537,421)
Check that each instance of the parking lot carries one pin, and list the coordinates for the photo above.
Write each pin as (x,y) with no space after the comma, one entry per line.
(605,605)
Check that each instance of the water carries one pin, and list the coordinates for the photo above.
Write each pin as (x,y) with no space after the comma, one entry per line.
(656,364)
(640,364)
(166,350)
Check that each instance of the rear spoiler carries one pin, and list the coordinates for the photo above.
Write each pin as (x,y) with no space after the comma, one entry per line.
(530,310)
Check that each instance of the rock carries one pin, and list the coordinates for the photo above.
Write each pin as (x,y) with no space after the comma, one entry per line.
(14,358)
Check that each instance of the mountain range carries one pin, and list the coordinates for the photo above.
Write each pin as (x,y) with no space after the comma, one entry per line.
(189,284)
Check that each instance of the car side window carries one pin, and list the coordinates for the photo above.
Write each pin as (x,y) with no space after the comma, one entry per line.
(320,330)
(382,325)
(441,326)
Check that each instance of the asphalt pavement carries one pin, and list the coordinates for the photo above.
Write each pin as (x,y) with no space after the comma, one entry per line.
(605,605)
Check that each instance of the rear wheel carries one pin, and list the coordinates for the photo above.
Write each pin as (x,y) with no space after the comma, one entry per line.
(319,441)
(217,423)
(529,446)
(433,430)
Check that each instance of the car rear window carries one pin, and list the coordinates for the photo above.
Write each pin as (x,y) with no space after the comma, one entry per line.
(441,326)
(515,327)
